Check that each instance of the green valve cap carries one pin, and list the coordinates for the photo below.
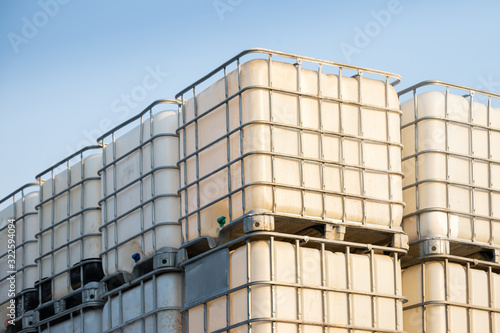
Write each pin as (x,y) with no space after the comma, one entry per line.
(221,220)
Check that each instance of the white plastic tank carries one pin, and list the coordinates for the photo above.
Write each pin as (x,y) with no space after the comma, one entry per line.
(69,217)
(451,297)
(140,205)
(269,284)
(18,246)
(152,305)
(451,163)
(88,320)
(301,143)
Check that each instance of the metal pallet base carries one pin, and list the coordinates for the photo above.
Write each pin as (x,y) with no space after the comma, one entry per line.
(261,220)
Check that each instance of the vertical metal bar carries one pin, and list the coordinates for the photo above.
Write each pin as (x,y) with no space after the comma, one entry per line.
(447,147)
(249,279)
(154,282)
(373,289)
(52,217)
(491,298)
(397,290)
(469,298)
(490,182)
(82,206)
(447,294)
(143,307)
(361,145)
(324,296)
(472,192)
(152,179)
(424,296)
(197,160)
(242,152)
(141,184)
(301,138)
(104,210)
(299,282)
(68,226)
(415,129)
(350,310)
(388,146)
(182,108)
(342,148)
(115,203)
(321,143)
(273,279)
(271,138)
(228,146)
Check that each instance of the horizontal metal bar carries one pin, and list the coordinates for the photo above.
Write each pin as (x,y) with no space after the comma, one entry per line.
(124,187)
(39,176)
(306,239)
(18,219)
(449,182)
(67,244)
(142,316)
(159,196)
(452,154)
(153,227)
(137,281)
(292,285)
(357,328)
(291,157)
(75,266)
(298,128)
(450,211)
(12,194)
(287,55)
(455,304)
(136,149)
(139,115)
(67,189)
(451,85)
(452,121)
(58,223)
(291,92)
(453,258)
(78,308)
(292,187)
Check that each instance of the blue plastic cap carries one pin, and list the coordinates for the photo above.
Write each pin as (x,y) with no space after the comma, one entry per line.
(136,257)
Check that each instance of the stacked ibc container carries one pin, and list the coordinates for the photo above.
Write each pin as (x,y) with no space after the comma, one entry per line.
(451,164)
(140,231)
(18,251)
(69,244)
(291,197)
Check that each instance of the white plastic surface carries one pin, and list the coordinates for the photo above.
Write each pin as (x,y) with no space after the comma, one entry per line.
(65,236)
(453,285)
(284,109)
(89,322)
(161,182)
(26,278)
(467,165)
(304,304)
(164,316)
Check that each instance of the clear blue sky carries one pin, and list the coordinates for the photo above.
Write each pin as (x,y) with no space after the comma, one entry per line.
(64,68)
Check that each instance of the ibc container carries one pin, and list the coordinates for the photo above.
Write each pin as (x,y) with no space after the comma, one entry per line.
(151,303)
(292,135)
(267,282)
(79,322)
(451,163)
(18,251)
(445,296)
(140,179)
(69,219)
